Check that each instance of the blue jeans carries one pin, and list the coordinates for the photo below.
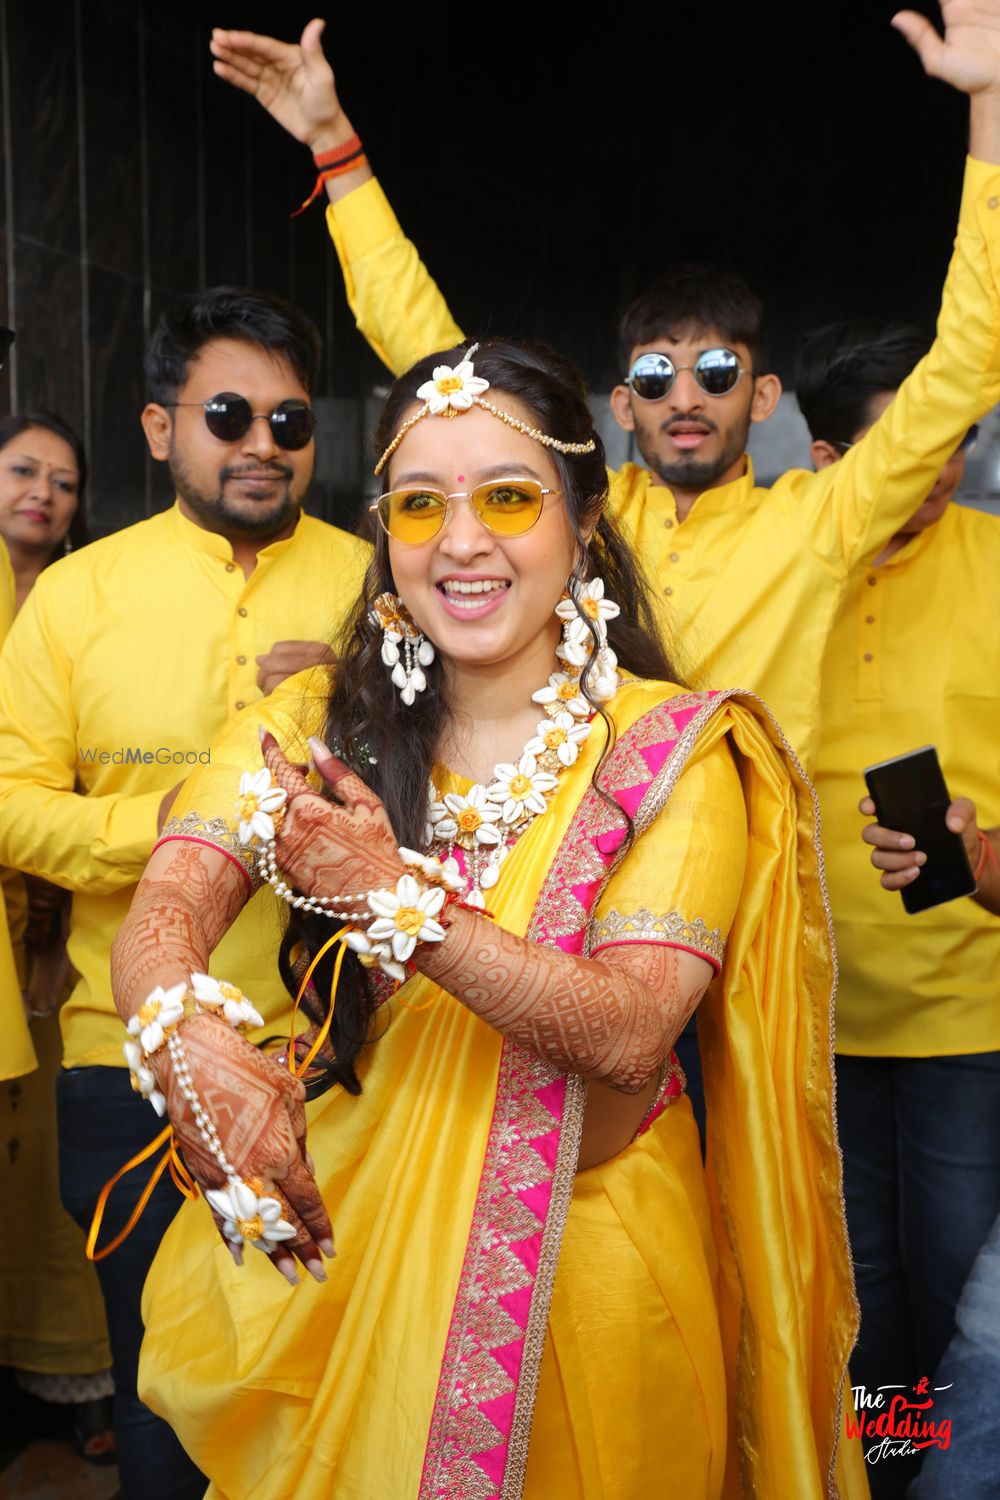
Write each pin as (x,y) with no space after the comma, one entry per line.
(968,1468)
(921,1145)
(101,1124)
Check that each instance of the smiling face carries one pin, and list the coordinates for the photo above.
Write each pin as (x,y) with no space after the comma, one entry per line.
(689,439)
(39,491)
(247,489)
(483,599)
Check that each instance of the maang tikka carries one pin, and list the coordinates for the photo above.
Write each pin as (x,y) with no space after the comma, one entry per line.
(405,649)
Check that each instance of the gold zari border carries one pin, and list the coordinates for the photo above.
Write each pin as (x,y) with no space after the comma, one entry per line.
(644,926)
(212,831)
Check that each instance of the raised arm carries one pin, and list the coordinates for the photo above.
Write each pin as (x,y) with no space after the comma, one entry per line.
(47,828)
(396,304)
(848,511)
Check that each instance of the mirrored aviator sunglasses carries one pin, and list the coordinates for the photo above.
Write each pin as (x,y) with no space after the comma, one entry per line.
(715,371)
(507,507)
(229,418)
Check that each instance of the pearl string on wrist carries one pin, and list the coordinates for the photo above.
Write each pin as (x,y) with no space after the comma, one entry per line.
(398,918)
(248,1213)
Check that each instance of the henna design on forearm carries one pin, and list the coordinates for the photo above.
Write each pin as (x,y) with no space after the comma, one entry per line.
(184,904)
(610,1018)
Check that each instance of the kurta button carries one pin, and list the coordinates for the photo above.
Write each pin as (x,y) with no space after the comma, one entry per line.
(242,611)
(869,619)
(240,703)
(873,582)
(675,557)
(868,656)
(992,202)
(668,523)
(230,567)
(668,591)
(241,661)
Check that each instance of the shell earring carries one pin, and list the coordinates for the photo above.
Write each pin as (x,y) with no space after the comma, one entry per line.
(582,609)
(405,649)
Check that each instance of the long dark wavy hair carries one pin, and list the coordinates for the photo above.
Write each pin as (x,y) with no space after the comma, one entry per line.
(393,747)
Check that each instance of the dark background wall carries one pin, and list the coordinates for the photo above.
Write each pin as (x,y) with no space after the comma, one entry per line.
(544,168)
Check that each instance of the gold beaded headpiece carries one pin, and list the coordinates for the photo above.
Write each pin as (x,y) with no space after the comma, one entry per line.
(450,391)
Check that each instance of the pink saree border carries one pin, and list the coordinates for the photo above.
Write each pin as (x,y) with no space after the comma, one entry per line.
(477,1445)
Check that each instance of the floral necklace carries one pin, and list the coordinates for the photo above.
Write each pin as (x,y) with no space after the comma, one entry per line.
(486,821)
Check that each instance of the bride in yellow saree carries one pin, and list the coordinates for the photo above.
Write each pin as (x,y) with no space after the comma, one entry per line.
(538,1290)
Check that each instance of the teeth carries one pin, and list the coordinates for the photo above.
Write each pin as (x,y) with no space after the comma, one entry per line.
(475,586)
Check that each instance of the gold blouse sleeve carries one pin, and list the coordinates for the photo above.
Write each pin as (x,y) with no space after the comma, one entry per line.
(680,881)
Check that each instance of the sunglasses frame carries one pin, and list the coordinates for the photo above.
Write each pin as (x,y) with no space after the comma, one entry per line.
(741,370)
(293,402)
(430,489)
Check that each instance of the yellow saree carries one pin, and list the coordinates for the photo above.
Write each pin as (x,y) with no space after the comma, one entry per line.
(648,1325)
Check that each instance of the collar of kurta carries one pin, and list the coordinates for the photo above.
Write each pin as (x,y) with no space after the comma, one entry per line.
(189,534)
(719,497)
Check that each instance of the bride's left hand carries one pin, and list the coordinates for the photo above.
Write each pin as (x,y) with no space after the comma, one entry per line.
(340,848)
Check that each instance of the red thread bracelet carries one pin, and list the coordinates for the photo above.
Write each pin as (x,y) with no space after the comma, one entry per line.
(986,854)
(334,163)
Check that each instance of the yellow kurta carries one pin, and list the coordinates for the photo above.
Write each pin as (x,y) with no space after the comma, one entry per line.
(649,1368)
(749,583)
(144,642)
(17,1053)
(914,659)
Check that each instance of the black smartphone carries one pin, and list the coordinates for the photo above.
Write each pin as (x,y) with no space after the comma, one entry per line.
(910,796)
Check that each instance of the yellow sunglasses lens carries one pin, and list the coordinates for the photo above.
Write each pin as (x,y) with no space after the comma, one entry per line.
(412,516)
(509,507)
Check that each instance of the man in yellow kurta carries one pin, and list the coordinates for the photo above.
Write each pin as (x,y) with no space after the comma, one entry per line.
(913,659)
(124,663)
(748,579)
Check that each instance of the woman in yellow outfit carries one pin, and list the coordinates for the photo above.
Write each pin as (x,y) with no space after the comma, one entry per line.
(538,1288)
(52,1325)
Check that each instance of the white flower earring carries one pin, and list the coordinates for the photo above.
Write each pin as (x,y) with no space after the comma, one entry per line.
(405,649)
(584,606)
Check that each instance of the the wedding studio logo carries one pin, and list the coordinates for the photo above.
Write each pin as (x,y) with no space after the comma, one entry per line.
(897,1421)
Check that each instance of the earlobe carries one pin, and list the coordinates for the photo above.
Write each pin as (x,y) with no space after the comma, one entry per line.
(766,395)
(158,427)
(621,406)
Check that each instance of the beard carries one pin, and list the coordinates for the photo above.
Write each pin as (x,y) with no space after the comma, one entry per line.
(693,473)
(243,519)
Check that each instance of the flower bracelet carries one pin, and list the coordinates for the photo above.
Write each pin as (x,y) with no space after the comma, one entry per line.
(248,1213)
(398,918)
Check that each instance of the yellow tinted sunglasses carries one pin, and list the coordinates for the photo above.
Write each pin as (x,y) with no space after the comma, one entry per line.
(507,507)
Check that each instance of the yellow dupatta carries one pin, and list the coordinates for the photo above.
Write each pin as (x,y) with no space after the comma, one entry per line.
(348,1389)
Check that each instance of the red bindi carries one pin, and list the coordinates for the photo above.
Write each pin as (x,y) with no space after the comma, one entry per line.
(461,478)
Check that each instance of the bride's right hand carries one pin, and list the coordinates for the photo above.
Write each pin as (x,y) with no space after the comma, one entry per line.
(292,81)
(258,1110)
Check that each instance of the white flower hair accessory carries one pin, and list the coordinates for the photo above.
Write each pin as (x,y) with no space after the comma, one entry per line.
(452,390)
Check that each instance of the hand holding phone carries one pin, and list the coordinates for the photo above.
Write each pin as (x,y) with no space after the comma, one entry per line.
(911,801)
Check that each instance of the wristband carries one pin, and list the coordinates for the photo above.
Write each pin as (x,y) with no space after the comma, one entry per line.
(334,163)
(986,855)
